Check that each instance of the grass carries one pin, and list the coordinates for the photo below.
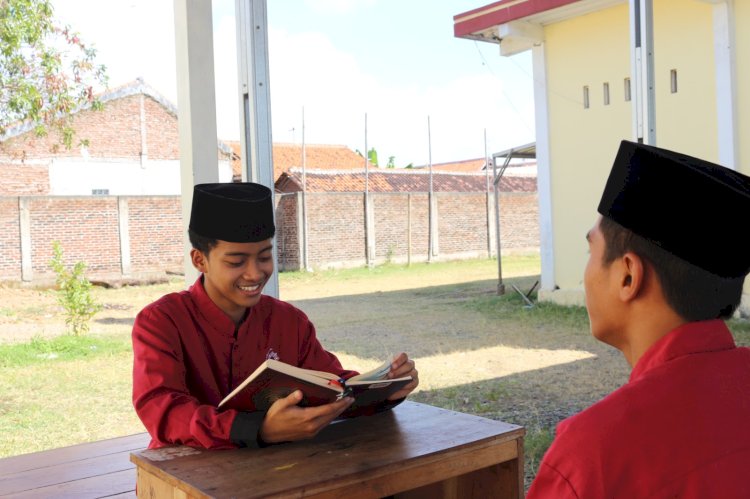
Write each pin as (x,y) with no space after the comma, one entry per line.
(61,349)
(62,390)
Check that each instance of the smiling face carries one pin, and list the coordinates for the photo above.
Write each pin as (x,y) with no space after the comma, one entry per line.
(235,273)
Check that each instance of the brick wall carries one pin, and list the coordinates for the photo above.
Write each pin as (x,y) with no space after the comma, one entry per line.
(287,232)
(23,179)
(155,231)
(462,222)
(336,228)
(88,229)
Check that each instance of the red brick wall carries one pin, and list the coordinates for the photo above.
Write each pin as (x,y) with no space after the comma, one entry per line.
(519,220)
(162,132)
(10,240)
(23,179)
(336,225)
(87,228)
(155,231)
(462,222)
(287,239)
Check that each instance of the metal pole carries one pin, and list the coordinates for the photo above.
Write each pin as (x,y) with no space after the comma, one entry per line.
(368,255)
(408,233)
(429,196)
(496,182)
(255,102)
(487,196)
(642,20)
(305,247)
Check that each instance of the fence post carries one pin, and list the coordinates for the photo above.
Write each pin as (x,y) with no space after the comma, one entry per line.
(27,269)
(123,216)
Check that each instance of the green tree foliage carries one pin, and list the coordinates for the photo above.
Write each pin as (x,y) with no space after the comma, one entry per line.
(46,71)
(74,293)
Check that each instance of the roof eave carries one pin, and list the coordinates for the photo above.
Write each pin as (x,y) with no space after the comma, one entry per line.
(517,25)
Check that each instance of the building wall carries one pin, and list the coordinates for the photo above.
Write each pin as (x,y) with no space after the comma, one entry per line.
(336,228)
(583,141)
(685,120)
(86,227)
(155,233)
(125,156)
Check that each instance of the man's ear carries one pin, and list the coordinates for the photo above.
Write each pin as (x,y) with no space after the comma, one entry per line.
(199,260)
(633,276)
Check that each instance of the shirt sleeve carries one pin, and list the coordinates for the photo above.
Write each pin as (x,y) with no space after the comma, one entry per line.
(161,397)
(549,483)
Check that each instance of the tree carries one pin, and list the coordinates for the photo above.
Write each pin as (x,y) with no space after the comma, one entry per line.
(46,71)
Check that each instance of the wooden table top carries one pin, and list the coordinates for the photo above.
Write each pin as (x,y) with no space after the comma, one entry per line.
(411,442)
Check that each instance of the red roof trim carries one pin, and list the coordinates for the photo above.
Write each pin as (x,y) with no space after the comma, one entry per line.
(501,12)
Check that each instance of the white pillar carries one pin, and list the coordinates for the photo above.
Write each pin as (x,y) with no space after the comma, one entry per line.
(196,104)
(726,83)
(642,69)
(544,170)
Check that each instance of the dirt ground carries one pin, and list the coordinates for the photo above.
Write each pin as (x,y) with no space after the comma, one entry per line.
(366,317)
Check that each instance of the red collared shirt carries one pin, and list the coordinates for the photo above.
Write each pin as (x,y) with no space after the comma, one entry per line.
(188,357)
(679,428)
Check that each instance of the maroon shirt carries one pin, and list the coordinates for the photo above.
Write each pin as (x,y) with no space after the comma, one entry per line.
(679,428)
(188,355)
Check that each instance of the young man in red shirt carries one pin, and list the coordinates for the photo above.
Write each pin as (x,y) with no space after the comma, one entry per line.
(194,347)
(668,258)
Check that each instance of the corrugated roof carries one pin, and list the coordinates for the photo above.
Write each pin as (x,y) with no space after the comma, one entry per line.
(396,181)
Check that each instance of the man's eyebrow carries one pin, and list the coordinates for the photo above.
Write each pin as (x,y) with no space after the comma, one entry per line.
(588,236)
(243,253)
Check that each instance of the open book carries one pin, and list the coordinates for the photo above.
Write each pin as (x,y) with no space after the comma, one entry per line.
(274,380)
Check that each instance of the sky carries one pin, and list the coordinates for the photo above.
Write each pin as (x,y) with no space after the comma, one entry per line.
(395,61)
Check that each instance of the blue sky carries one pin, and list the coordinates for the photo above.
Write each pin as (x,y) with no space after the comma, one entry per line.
(395,60)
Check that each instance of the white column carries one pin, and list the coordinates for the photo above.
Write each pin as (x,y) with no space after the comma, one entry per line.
(642,69)
(544,175)
(27,268)
(196,103)
(123,216)
(726,83)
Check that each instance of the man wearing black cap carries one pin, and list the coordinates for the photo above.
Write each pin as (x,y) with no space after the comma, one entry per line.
(193,347)
(668,258)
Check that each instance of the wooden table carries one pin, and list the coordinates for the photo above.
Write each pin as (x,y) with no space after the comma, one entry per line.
(415,450)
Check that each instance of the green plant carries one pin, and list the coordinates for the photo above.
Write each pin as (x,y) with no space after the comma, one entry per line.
(74,293)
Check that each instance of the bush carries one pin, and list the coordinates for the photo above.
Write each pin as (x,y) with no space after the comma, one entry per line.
(74,293)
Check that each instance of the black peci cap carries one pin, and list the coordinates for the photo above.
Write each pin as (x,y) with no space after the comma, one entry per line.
(233,212)
(696,210)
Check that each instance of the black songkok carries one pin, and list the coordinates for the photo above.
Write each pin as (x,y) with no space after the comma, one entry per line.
(236,212)
(696,210)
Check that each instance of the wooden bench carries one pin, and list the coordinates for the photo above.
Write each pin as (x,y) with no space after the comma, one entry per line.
(96,469)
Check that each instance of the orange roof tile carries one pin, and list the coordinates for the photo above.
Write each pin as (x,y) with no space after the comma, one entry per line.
(317,156)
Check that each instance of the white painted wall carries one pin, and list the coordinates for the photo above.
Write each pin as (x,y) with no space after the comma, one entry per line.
(79,177)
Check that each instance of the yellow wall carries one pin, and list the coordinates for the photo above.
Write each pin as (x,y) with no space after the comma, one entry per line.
(587,50)
(593,49)
(684,40)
